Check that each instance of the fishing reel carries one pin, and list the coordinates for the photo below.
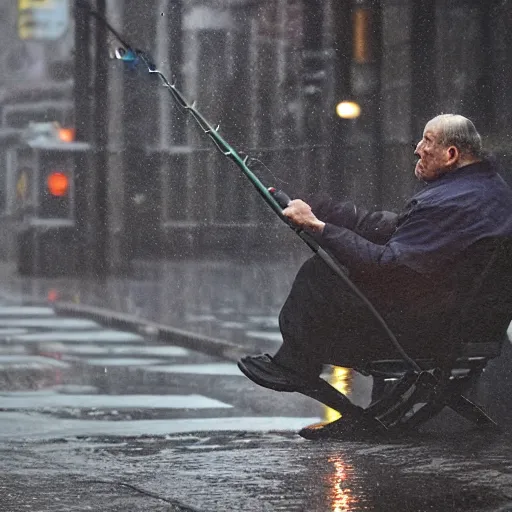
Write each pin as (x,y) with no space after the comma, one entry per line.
(281,197)
(122,53)
(132,57)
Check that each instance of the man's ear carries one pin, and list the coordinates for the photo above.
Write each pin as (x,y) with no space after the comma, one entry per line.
(453,155)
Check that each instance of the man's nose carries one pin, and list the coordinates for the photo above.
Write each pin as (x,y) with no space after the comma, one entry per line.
(417,148)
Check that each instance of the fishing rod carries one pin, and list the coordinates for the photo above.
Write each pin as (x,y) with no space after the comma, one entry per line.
(276,199)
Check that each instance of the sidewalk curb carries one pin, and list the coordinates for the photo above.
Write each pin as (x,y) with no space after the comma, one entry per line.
(193,341)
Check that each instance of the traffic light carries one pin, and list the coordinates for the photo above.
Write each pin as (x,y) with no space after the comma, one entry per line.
(41,188)
(55,185)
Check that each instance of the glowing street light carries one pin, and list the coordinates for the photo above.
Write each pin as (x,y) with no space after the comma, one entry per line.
(348,110)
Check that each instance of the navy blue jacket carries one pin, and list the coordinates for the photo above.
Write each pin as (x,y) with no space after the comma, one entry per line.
(437,224)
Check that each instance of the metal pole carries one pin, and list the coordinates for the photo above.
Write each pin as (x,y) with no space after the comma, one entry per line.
(314,78)
(83,126)
(341,60)
(100,159)
(117,253)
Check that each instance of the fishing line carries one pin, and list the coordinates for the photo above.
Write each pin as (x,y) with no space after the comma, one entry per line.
(253,159)
(277,200)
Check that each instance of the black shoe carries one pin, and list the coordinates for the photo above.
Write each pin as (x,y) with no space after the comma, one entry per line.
(324,430)
(343,428)
(264,371)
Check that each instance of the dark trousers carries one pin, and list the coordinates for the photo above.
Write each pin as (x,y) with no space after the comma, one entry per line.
(323,322)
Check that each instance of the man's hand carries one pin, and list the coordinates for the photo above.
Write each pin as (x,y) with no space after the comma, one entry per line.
(301,215)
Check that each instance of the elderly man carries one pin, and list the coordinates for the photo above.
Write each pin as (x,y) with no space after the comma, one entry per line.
(404,263)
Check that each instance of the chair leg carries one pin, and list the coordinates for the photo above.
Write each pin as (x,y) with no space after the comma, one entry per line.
(472,412)
(324,393)
(427,412)
(385,414)
(379,388)
(394,411)
(456,400)
(394,417)
(412,389)
(390,394)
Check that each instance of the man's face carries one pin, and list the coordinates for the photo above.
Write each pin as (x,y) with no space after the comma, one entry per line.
(433,157)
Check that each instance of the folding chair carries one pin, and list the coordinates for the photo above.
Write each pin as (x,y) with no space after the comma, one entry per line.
(404,398)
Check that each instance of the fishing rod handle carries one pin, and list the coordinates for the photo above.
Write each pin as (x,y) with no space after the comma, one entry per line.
(281,197)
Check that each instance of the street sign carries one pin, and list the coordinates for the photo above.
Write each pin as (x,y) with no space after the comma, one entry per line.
(40,20)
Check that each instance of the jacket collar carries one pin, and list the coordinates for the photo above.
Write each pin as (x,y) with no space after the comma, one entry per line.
(477,169)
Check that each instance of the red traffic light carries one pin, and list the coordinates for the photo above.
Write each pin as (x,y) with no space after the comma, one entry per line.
(58,183)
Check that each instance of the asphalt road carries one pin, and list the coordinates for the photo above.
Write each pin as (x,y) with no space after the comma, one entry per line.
(98,419)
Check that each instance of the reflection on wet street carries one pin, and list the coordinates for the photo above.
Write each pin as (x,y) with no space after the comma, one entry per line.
(341,497)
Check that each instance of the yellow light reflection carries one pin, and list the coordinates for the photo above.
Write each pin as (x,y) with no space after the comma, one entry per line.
(341,496)
(341,379)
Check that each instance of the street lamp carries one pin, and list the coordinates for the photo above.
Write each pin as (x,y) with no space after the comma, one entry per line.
(348,109)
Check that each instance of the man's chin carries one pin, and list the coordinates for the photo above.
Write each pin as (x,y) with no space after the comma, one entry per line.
(421,177)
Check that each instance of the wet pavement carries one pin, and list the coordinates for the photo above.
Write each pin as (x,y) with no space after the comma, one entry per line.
(68,371)
(265,471)
(97,418)
(71,378)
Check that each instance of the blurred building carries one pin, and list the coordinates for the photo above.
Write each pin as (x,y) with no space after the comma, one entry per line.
(271,73)
(36,85)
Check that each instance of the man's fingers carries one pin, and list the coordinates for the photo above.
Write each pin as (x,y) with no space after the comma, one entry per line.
(292,208)
(299,213)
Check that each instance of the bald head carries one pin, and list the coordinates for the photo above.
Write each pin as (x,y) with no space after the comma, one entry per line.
(459,131)
(449,142)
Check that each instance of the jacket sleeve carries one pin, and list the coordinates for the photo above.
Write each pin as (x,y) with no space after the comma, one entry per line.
(375,226)
(356,252)
(418,243)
